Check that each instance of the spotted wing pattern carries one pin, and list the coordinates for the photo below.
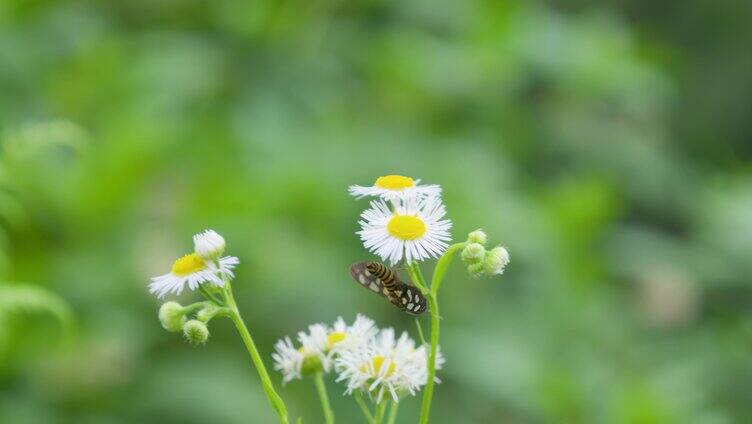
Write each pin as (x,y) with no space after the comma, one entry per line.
(382,280)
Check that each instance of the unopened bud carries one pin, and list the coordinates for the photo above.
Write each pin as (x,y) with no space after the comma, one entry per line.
(209,245)
(196,332)
(207,312)
(477,236)
(473,253)
(495,261)
(172,316)
(476,269)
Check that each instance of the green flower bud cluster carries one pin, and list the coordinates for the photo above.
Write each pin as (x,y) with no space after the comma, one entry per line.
(480,261)
(173,317)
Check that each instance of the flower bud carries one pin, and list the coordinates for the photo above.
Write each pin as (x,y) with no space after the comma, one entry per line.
(207,312)
(209,245)
(476,269)
(477,236)
(495,261)
(172,316)
(473,253)
(196,332)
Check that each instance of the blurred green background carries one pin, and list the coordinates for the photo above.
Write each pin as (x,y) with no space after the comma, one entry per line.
(606,143)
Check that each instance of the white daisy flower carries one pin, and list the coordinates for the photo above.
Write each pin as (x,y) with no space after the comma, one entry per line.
(209,245)
(385,366)
(343,337)
(193,270)
(390,187)
(314,344)
(310,357)
(288,360)
(414,230)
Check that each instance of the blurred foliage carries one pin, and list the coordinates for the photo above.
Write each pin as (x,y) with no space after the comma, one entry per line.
(605,143)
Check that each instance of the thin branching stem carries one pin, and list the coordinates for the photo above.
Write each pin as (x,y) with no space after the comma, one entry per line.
(420,332)
(277,403)
(393,413)
(442,266)
(380,408)
(324,398)
(209,295)
(363,407)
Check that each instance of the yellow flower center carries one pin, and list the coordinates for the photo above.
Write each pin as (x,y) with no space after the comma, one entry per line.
(406,227)
(394,182)
(378,362)
(188,264)
(335,337)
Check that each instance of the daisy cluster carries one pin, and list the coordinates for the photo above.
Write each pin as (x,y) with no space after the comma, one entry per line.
(364,357)
(406,221)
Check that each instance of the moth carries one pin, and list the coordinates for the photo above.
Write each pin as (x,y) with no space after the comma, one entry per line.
(385,281)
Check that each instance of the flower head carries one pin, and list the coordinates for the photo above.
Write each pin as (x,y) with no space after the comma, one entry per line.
(385,366)
(209,245)
(310,357)
(343,337)
(193,270)
(414,230)
(390,187)
(313,345)
(288,360)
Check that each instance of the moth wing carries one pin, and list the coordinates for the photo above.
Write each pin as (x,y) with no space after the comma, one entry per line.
(360,274)
(414,302)
(396,296)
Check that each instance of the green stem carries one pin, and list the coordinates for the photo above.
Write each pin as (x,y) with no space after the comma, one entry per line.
(438,276)
(428,392)
(413,270)
(393,413)
(207,294)
(420,332)
(419,273)
(363,407)
(325,406)
(277,403)
(442,266)
(189,309)
(380,408)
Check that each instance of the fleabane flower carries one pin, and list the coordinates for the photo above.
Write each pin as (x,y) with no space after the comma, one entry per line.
(313,345)
(309,358)
(413,230)
(390,187)
(209,245)
(385,367)
(348,337)
(288,360)
(193,270)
